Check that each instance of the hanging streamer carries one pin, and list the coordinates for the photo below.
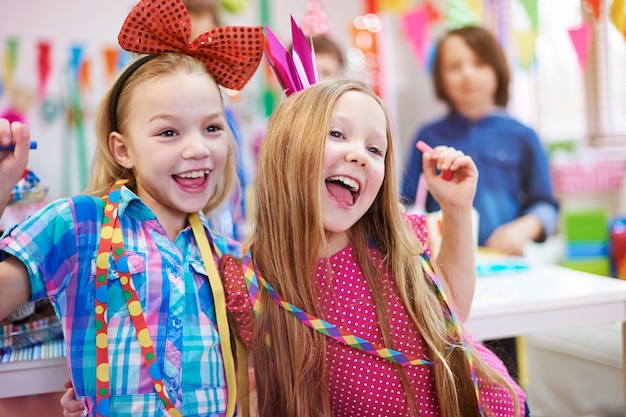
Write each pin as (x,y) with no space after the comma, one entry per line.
(268,94)
(581,39)
(76,122)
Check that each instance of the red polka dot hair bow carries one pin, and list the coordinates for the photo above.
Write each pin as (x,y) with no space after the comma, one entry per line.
(231,53)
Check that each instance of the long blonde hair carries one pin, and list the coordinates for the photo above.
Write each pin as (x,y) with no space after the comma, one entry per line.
(291,376)
(105,169)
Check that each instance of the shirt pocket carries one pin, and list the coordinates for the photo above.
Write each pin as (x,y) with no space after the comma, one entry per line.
(502,165)
(116,301)
(201,281)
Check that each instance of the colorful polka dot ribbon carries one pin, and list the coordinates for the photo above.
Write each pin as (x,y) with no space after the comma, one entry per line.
(252,279)
(111,242)
(454,325)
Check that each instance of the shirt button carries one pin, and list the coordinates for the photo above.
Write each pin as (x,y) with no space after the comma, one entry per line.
(172,385)
(177,322)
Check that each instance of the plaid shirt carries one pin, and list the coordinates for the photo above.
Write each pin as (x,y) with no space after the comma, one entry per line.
(59,245)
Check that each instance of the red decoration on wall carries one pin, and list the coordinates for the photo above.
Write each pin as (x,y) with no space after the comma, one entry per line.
(43,68)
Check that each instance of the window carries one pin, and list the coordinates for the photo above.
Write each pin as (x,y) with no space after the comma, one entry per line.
(555,95)
(607,82)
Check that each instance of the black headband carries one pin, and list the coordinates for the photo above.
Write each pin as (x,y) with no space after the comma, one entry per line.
(119,85)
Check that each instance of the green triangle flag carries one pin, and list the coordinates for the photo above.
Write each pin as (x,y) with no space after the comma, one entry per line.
(530,6)
(459,14)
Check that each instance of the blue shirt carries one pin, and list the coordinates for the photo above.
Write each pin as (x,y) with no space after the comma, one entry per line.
(59,245)
(514,176)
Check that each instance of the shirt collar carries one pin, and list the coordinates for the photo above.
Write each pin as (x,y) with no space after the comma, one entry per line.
(461,121)
(131,205)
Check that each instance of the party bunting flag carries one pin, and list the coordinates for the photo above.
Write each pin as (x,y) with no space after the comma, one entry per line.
(530,6)
(10,61)
(111,61)
(415,27)
(84,75)
(477,7)
(459,14)
(581,39)
(524,41)
(394,6)
(234,6)
(618,15)
(43,68)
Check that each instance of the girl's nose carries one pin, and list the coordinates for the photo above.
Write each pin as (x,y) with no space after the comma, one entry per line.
(195,146)
(357,156)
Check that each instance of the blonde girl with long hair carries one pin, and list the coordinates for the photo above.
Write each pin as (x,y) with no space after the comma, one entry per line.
(331,241)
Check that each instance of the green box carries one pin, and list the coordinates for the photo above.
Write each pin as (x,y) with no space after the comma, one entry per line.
(585,225)
(598,266)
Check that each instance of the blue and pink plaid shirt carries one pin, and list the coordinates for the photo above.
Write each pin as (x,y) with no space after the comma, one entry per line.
(59,244)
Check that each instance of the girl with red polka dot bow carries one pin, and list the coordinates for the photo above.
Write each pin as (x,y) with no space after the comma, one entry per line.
(132,275)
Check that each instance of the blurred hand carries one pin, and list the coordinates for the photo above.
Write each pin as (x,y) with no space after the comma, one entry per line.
(511,238)
(71,406)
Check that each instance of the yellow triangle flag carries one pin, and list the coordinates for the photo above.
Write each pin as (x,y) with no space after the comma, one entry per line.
(524,41)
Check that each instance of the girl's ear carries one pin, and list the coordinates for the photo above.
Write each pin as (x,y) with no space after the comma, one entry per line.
(119,150)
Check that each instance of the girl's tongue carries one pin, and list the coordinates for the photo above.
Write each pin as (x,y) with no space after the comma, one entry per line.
(190,182)
(340,192)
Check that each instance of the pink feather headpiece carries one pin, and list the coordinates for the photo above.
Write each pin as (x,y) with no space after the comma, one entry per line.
(296,70)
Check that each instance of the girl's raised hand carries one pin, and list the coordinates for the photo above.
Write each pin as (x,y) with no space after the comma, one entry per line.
(455,186)
(16,137)
(13,161)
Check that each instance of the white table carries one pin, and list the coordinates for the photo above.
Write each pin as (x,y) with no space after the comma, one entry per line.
(543,298)
(32,377)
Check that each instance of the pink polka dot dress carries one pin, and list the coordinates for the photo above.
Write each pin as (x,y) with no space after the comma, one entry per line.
(360,384)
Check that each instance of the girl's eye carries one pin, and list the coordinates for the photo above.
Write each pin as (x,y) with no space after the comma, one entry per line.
(168,133)
(336,134)
(375,150)
(213,128)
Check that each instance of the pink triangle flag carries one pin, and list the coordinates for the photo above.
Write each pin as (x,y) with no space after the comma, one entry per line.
(415,29)
(581,39)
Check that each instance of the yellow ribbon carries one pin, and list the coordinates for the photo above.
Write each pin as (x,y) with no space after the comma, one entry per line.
(220,310)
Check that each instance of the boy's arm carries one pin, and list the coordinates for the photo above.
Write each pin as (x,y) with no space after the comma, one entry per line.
(14,286)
